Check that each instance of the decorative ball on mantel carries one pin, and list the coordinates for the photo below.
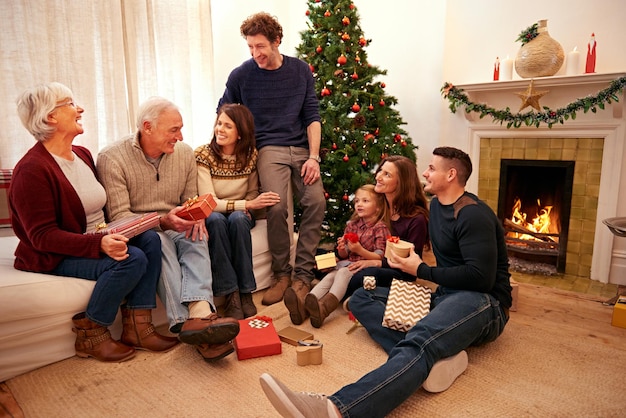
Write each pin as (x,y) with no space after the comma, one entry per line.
(540,54)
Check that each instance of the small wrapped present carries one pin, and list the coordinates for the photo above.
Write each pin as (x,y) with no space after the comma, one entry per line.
(291,335)
(619,313)
(325,261)
(399,247)
(257,338)
(309,352)
(199,207)
(129,227)
(408,302)
(352,237)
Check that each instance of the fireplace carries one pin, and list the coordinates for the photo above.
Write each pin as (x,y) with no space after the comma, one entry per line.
(594,141)
(534,205)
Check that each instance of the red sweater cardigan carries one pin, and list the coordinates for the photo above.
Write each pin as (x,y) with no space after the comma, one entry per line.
(46,213)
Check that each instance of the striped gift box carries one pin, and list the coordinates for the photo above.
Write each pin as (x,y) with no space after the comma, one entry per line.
(408,302)
(5,181)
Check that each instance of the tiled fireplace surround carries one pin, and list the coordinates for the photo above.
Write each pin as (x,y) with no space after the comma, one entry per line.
(595,141)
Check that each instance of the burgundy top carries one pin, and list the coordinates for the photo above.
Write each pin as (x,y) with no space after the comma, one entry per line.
(46,213)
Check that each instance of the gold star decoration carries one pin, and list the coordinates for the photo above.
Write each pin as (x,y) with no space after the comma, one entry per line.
(531,97)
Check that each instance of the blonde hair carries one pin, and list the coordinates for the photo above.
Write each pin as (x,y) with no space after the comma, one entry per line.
(36,103)
(381,205)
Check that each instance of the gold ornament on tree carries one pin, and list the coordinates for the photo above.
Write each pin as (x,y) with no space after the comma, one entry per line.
(540,54)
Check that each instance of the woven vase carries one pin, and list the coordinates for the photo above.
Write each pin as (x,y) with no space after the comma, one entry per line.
(541,57)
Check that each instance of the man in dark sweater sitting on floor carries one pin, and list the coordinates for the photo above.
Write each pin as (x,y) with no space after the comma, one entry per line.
(280,92)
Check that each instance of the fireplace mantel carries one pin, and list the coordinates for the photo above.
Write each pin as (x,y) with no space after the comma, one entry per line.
(608,262)
(562,90)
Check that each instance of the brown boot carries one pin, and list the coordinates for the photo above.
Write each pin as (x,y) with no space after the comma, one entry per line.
(210,330)
(275,293)
(247,305)
(294,301)
(320,309)
(214,352)
(232,307)
(93,340)
(139,332)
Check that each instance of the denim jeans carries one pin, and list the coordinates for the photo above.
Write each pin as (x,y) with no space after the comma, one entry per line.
(458,319)
(277,166)
(134,279)
(186,275)
(230,247)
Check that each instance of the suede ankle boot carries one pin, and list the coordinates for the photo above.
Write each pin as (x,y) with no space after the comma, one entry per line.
(232,307)
(247,305)
(93,340)
(294,301)
(275,293)
(320,309)
(138,331)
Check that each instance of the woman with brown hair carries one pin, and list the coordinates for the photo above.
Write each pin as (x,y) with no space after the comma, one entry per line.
(227,169)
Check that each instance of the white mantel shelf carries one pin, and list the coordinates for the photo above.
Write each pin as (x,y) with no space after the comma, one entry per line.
(601,81)
(562,90)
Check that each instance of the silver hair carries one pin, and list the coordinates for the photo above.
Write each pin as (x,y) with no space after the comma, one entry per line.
(35,104)
(151,109)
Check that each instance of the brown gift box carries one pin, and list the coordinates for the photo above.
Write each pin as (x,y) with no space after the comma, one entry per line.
(291,335)
(399,247)
(198,208)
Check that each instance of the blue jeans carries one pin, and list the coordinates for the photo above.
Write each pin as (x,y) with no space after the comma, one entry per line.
(186,275)
(230,247)
(458,319)
(277,166)
(134,279)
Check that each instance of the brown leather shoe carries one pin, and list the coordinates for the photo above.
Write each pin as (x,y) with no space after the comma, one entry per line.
(232,306)
(320,309)
(94,340)
(209,330)
(294,301)
(138,332)
(275,293)
(214,352)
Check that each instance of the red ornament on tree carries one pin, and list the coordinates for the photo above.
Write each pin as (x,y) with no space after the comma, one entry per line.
(383,85)
(351,6)
(403,143)
(363,163)
(325,92)
(354,75)
(326,195)
(307,13)
(368,137)
(345,36)
(382,102)
(356,107)
(377,131)
(334,146)
(327,13)
(345,21)
(346,197)
(318,49)
(342,60)
(397,137)
(346,158)
(370,107)
(312,68)
(362,41)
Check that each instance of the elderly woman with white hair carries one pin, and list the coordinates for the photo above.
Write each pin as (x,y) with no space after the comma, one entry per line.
(54,197)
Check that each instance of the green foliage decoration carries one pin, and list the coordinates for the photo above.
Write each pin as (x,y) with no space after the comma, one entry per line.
(359,123)
(458,98)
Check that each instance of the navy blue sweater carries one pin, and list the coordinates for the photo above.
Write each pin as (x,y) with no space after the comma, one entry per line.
(282,101)
(468,242)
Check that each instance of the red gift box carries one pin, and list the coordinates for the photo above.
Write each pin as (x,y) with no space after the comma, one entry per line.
(257,338)
(198,208)
(130,226)
(352,237)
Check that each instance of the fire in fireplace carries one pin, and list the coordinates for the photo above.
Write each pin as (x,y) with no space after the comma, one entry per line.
(534,205)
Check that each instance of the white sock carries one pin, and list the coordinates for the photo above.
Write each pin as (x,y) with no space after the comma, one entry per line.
(199,309)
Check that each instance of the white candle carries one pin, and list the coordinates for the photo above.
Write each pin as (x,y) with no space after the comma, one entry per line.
(573,58)
(506,69)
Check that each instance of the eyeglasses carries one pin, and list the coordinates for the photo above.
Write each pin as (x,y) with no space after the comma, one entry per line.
(70,103)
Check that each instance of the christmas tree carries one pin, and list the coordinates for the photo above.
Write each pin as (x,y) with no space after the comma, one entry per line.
(359,125)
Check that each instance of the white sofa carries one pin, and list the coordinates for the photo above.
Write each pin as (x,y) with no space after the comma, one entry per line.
(36,309)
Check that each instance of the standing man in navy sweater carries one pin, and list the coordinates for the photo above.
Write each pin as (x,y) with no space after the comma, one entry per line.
(280,92)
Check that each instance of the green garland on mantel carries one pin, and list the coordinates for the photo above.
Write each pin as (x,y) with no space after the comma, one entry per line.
(457,98)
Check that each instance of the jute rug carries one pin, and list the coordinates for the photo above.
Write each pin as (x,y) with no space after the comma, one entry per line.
(558,357)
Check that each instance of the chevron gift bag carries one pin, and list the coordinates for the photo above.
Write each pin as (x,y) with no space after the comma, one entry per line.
(408,302)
